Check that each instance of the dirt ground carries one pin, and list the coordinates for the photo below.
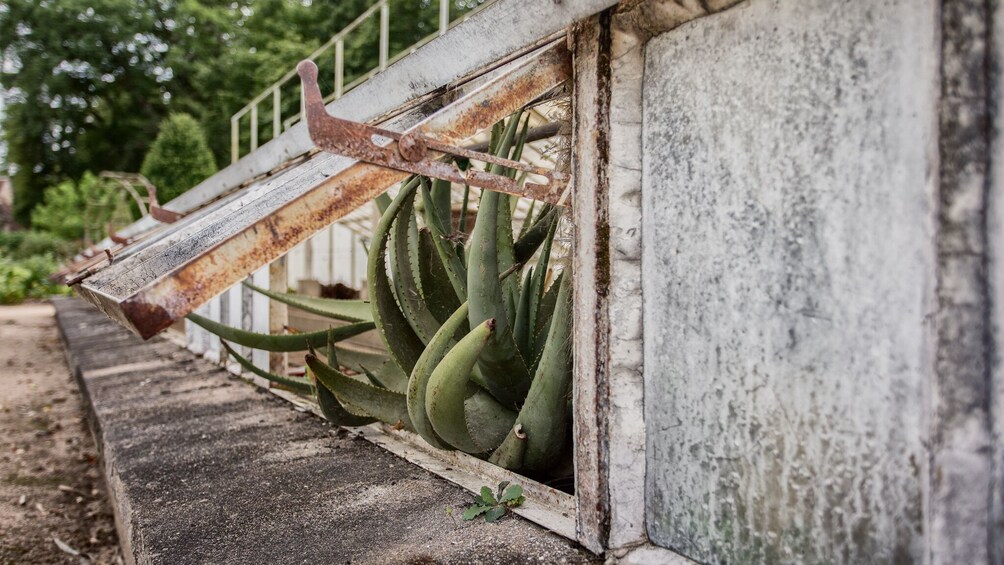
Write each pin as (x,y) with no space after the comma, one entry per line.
(52,495)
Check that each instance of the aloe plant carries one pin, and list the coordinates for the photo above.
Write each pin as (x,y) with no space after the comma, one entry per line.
(488,355)
(479,355)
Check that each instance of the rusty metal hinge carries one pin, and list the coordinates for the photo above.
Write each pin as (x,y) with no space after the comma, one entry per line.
(416,153)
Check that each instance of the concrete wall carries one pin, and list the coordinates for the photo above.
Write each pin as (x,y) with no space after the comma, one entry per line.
(792,280)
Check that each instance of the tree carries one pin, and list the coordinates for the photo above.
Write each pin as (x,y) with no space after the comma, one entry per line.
(84,88)
(179,158)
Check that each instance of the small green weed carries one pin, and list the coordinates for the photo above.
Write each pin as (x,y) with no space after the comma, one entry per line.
(494,506)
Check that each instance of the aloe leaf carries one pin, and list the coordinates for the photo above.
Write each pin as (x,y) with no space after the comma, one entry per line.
(406,272)
(440,203)
(506,374)
(434,353)
(401,341)
(450,260)
(529,242)
(523,326)
(347,310)
(278,343)
(382,404)
(543,320)
(356,359)
(487,420)
(332,410)
(528,220)
(391,377)
(462,224)
(510,454)
(440,297)
(543,417)
(540,276)
(383,202)
(447,388)
(299,385)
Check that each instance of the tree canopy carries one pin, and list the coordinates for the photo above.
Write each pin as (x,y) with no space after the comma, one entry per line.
(88,82)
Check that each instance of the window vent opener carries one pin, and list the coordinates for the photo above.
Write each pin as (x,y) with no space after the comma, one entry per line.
(416,153)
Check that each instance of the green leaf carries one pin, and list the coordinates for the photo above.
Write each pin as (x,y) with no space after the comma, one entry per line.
(512,493)
(449,257)
(384,405)
(401,341)
(405,271)
(278,343)
(544,415)
(527,245)
(488,421)
(475,511)
(506,374)
(418,383)
(494,514)
(448,386)
(440,296)
(347,310)
(487,496)
(299,385)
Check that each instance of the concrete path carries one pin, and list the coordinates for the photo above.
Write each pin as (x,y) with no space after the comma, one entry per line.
(51,486)
(205,468)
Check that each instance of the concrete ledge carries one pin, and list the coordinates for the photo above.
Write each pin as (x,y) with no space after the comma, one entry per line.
(205,468)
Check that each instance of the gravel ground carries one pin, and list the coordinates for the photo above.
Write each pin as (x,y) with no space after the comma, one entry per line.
(53,504)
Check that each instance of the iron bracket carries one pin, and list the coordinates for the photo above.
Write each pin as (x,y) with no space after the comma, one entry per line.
(414,152)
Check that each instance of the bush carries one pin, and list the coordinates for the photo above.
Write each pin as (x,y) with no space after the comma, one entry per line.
(179,158)
(23,244)
(28,279)
(61,212)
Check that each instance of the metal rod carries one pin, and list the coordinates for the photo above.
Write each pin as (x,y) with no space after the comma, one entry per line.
(276,113)
(384,34)
(339,70)
(254,127)
(235,134)
(444,16)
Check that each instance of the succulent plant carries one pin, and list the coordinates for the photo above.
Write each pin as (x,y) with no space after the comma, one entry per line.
(487,352)
(479,354)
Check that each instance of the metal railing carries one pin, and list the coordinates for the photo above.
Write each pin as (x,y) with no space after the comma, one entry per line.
(381,10)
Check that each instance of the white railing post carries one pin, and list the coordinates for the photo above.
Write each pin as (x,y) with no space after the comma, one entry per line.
(254,127)
(276,113)
(235,139)
(444,16)
(339,67)
(384,34)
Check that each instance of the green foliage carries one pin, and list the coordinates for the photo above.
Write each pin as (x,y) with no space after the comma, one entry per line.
(179,158)
(80,210)
(24,244)
(27,279)
(89,81)
(494,506)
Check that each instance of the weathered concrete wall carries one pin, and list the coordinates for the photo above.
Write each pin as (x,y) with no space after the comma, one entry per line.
(789,275)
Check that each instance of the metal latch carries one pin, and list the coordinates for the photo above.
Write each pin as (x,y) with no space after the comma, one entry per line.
(415,153)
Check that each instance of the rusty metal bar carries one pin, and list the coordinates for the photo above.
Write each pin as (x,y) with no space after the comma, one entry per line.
(205,255)
(416,152)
